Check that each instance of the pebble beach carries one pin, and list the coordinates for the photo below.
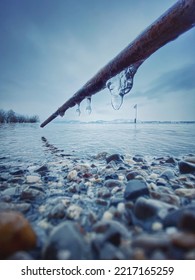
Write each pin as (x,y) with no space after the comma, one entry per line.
(104,206)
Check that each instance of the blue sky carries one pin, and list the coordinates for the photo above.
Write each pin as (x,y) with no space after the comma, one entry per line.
(50,48)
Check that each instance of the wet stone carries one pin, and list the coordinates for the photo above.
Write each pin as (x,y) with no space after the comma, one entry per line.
(132,175)
(21,207)
(171,160)
(111,176)
(151,242)
(74,211)
(166,197)
(114,157)
(72,175)
(16,180)
(15,234)
(3,179)
(49,179)
(188,193)
(116,210)
(181,218)
(112,183)
(58,211)
(187,221)
(135,188)
(183,240)
(110,252)
(82,187)
(144,209)
(42,170)
(114,232)
(31,179)
(167,174)
(186,167)
(104,192)
(11,191)
(68,238)
(100,201)
(148,208)
(139,158)
(190,159)
(31,194)
(161,182)
(21,255)
(18,172)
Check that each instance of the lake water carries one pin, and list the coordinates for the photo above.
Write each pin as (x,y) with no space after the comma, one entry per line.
(26,144)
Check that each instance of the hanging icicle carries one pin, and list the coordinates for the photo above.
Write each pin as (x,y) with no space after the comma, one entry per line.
(88,108)
(78,110)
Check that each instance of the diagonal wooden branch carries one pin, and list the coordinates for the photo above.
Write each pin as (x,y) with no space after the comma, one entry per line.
(175,21)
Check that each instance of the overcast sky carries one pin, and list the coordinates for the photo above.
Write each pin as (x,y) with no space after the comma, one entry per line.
(51,48)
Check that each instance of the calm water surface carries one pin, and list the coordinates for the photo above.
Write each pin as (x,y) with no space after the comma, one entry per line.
(29,144)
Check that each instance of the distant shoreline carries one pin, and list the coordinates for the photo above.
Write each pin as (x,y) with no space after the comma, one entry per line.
(123,122)
(13,117)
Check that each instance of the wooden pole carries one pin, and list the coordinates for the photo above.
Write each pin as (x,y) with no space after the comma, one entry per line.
(175,21)
(135,107)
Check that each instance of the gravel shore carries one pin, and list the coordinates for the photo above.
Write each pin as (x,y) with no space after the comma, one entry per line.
(100,207)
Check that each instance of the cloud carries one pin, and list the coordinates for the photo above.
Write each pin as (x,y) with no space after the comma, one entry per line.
(174,81)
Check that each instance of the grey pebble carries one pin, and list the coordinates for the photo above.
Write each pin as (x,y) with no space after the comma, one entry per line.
(167,174)
(114,157)
(21,207)
(111,183)
(147,208)
(132,175)
(135,188)
(68,238)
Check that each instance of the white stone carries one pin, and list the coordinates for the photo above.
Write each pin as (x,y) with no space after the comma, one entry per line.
(74,211)
(153,176)
(72,175)
(157,226)
(33,179)
(107,216)
(121,207)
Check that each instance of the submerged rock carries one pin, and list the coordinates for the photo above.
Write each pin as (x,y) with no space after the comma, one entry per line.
(16,234)
(42,170)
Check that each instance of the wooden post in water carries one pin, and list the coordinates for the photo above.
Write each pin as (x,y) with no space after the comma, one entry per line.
(135,107)
(175,21)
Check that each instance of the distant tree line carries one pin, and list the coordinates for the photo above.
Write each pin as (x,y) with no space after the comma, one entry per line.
(12,117)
